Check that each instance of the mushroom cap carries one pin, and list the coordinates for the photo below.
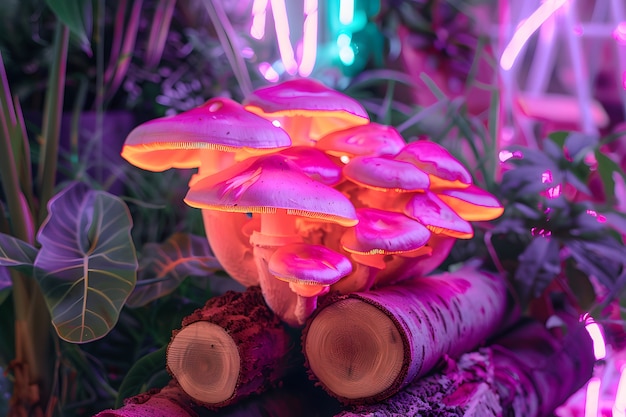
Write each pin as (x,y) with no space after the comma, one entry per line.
(330,109)
(472,203)
(315,163)
(381,232)
(306,264)
(383,174)
(445,170)
(372,139)
(266,183)
(219,124)
(437,216)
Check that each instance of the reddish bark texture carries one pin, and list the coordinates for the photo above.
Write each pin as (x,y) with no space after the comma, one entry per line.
(268,350)
(296,399)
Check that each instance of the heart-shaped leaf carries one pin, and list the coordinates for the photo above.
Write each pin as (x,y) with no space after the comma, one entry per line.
(163,267)
(87,265)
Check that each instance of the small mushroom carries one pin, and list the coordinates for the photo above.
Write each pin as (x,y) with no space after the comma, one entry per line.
(309,270)
(306,109)
(372,139)
(472,203)
(437,216)
(274,187)
(445,170)
(378,234)
(384,174)
(381,232)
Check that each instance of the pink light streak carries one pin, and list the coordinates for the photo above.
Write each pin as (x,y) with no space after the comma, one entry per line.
(281,21)
(619,34)
(599,346)
(268,72)
(619,408)
(259,14)
(309,43)
(592,400)
(525,31)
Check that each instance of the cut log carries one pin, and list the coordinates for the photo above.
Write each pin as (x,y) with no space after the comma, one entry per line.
(365,347)
(528,372)
(233,347)
(464,388)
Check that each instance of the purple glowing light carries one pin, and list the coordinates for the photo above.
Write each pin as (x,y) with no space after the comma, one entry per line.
(592,400)
(281,22)
(309,43)
(259,14)
(619,34)
(601,218)
(619,408)
(525,31)
(505,155)
(268,72)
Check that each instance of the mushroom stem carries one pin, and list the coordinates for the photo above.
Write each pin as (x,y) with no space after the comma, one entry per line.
(230,245)
(277,294)
(305,306)
(299,129)
(278,224)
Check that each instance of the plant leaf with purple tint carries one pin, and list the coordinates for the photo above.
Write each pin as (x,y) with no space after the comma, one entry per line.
(16,253)
(87,265)
(538,265)
(5,283)
(602,259)
(163,267)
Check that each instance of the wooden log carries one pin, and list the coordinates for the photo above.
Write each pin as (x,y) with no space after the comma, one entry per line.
(528,372)
(365,347)
(233,347)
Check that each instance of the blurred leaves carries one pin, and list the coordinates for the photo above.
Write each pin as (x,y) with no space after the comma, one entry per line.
(72,14)
(164,266)
(556,204)
(148,372)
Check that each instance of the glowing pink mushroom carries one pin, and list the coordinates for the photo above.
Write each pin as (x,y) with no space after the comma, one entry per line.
(378,234)
(472,203)
(306,109)
(204,137)
(445,170)
(372,139)
(437,216)
(309,270)
(274,187)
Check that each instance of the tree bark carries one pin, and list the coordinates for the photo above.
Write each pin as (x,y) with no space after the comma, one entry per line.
(365,347)
(233,347)
(528,372)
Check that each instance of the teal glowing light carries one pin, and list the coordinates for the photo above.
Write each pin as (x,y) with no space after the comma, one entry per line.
(346,55)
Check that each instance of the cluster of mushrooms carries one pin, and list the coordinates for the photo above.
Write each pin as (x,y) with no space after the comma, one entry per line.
(301,194)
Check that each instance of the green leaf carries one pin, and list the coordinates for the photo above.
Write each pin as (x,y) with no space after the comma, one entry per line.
(5,284)
(72,14)
(87,265)
(148,372)
(606,168)
(164,267)
(16,253)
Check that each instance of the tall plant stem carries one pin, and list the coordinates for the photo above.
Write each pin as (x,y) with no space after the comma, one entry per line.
(52,119)
(226,35)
